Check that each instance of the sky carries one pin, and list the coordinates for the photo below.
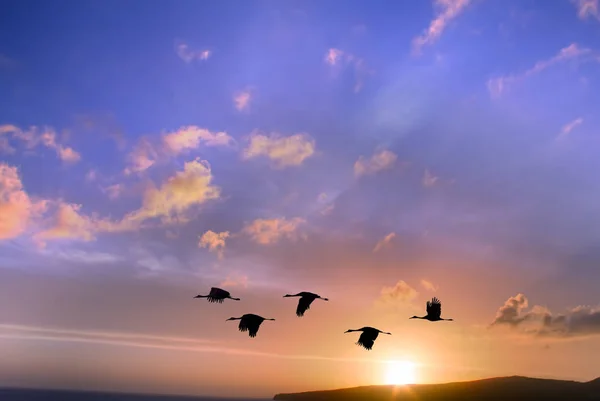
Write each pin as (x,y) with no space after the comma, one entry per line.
(376,153)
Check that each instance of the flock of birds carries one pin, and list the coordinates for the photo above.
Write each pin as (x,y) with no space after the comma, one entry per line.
(251,322)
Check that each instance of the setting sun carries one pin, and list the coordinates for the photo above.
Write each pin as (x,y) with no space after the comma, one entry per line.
(400,372)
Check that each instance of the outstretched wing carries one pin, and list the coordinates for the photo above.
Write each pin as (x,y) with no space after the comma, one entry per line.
(253,324)
(243,326)
(217,295)
(365,340)
(434,308)
(303,305)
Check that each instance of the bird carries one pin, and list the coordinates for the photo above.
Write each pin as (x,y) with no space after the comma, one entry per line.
(217,295)
(306,298)
(250,323)
(434,311)
(368,336)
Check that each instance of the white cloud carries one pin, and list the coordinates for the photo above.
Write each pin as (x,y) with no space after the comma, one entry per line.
(188,55)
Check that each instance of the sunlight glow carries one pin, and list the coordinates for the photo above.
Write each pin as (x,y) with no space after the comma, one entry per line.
(400,372)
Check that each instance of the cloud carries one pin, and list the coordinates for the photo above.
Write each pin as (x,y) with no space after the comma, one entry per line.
(567,128)
(215,242)
(429,179)
(384,242)
(17,209)
(428,285)
(114,191)
(337,58)
(498,85)
(190,137)
(142,157)
(35,136)
(510,313)
(382,160)
(142,340)
(284,151)
(69,223)
(576,322)
(447,11)
(145,154)
(399,293)
(190,187)
(235,280)
(334,56)
(188,55)
(270,231)
(587,8)
(241,99)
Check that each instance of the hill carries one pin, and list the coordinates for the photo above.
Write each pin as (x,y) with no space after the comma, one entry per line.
(514,388)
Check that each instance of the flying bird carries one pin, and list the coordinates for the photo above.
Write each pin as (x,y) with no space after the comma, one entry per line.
(217,295)
(306,298)
(434,311)
(250,323)
(368,336)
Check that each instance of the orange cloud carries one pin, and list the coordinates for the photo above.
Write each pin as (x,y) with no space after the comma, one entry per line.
(398,294)
(381,160)
(283,151)
(69,223)
(270,231)
(35,136)
(448,10)
(498,85)
(235,280)
(215,242)
(191,136)
(17,209)
(187,188)
(428,285)
(384,242)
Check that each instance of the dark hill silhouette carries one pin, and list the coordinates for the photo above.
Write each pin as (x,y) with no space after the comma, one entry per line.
(513,388)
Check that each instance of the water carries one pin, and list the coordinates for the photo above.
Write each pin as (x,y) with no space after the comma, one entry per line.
(59,395)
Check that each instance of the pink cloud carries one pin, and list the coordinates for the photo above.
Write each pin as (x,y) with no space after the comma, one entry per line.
(498,85)
(587,8)
(17,209)
(448,10)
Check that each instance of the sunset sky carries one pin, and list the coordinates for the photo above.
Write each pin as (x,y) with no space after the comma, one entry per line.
(376,153)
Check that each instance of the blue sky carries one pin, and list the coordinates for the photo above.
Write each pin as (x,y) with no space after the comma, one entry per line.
(170,147)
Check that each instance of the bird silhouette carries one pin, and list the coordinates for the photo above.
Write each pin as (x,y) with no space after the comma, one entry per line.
(306,298)
(368,336)
(434,311)
(217,295)
(250,323)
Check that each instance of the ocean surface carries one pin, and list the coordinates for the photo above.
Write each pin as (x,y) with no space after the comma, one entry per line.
(60,395)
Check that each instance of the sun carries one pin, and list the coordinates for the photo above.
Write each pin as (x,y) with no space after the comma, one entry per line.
(400,372)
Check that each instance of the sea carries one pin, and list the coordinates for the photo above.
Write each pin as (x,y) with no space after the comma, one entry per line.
(11,394)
